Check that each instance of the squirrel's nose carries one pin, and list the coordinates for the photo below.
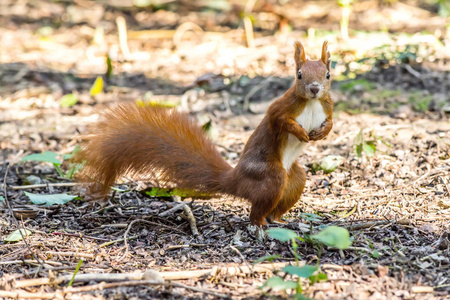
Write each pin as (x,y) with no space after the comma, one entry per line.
(314,88)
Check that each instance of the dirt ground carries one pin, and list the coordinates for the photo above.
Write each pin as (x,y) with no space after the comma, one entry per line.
(391,84)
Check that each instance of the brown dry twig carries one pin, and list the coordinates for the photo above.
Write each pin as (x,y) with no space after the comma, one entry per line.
(176,275)
(191,219)
(71,290)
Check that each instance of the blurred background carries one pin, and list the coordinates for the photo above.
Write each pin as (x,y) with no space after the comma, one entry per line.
(227,57)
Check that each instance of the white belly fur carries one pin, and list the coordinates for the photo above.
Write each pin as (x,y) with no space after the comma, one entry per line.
(311,118)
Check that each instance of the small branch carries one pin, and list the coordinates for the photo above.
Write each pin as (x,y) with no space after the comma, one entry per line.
(30,261)
(172,210)
(422,289)
(377,223)
(174,247)
(191,219)
(75,254)
(37,186)
(177,275)
(412,71)
(26,295)
(80,236)
(243,258)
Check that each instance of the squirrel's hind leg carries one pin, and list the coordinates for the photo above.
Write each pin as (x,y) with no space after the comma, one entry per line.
(266,198)
(294,188)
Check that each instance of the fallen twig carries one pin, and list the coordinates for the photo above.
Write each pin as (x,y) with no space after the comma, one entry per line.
(176,275)
(80,236)
(174,247)
(192,223)
(377,223)
(172,210)
(243,258)
(30,261)
(44,185)
(75,254)
(101,286)
(422,289)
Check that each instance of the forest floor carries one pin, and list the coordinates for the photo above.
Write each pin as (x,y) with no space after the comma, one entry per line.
(391,94)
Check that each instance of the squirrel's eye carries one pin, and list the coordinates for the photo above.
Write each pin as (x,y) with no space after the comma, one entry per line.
(299,75)
(328,75)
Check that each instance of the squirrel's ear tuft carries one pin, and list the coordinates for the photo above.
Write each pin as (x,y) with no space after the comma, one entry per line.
(299,56)
(325,58)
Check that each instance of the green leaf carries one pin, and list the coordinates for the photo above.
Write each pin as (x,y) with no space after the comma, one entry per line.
(73,169)
(334,236)
(268,258)
(376,254)
(2,199)
(71,154)
(311,217)
(282,234)
(319,277)
(278,284)
(46,156)
(48,200)
(97,87)
(369,148)
(305,271)
(68,100)
(16,236)
(329,163)
(76,271)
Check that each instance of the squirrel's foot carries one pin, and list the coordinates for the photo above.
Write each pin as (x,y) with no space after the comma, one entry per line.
(275,220)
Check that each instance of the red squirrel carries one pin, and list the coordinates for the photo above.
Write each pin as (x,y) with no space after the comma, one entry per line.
(133,139)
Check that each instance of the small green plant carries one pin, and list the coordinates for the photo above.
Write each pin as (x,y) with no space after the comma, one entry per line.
(80,262)
(362,145)
(328,164)
(331,236)
(51,157)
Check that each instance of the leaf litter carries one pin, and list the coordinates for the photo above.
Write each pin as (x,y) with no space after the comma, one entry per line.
(395,201)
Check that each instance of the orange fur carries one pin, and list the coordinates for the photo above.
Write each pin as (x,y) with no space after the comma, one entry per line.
(148,140)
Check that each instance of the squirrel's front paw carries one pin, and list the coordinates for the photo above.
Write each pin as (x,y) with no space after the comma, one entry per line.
(316,135)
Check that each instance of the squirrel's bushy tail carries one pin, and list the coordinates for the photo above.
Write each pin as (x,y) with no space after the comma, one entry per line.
(135,139)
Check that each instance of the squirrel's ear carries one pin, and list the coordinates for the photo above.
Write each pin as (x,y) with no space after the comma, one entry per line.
(299,56)
(325,55)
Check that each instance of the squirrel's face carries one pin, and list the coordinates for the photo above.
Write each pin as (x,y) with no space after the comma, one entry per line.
(313,77)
